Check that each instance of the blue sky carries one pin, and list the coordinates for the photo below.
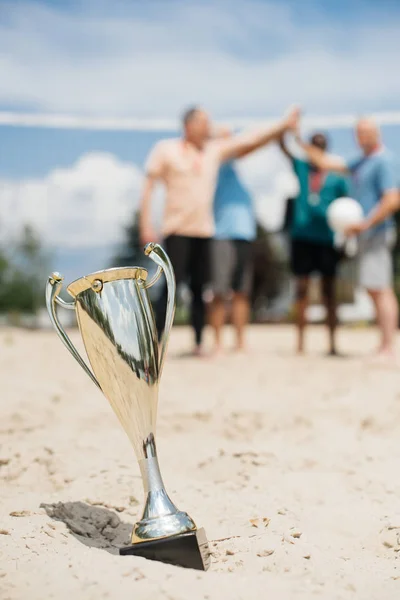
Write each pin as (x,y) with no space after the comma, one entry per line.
(238,57)
(20,156)
(241,59)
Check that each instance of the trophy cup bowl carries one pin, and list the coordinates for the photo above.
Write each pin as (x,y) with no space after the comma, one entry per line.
(117,325)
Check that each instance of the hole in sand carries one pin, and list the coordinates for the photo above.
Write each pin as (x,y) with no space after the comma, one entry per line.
(93,526)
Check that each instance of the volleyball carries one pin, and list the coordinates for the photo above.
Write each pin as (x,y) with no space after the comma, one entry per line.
(343,213)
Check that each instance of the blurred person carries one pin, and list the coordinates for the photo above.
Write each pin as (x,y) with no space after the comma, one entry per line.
(188,167)
(312,244)
(231,251)
(375,186)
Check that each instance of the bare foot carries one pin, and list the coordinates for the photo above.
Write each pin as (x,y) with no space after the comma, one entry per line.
(217,352)
(240,350)
(384,358)
(334,352)
(199,352)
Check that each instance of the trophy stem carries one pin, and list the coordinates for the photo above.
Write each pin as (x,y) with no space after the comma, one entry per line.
(160,518)
(165,533)
(151,475)
(158,503)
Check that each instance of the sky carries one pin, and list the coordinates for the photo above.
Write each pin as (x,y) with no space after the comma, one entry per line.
(237,57)
(120,60)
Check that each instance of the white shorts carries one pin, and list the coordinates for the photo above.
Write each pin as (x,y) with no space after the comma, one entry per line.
(375,262)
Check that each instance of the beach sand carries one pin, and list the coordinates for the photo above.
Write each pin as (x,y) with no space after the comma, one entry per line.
(290,463)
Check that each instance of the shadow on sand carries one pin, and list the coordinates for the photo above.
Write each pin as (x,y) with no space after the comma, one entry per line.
(93,526)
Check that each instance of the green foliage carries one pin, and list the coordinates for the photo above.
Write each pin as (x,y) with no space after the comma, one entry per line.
(181,314)
(131,251)
(22,267)
(270,266)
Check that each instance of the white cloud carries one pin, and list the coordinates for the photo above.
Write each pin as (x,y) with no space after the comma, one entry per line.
(238,59)
(84,205)
(87,204)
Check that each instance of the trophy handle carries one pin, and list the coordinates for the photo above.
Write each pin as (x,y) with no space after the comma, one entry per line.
(161,258)
(53,286)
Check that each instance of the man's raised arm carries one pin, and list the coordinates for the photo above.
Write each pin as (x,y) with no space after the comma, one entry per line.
(244,143)
(284,148)
(322,160)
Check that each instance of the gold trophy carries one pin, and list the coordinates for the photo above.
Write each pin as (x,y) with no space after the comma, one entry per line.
(117,325)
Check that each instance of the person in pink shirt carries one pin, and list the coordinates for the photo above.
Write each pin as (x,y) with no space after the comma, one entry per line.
(188,167)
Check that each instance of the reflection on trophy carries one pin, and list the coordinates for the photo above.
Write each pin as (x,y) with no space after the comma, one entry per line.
(117,325)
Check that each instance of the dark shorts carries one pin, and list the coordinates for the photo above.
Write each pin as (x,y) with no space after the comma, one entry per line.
(231,266)
(311,257)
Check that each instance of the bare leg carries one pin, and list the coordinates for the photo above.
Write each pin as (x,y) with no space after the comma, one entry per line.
(240,317)
(387,316)
(301,307)
(329,296)
(217,320)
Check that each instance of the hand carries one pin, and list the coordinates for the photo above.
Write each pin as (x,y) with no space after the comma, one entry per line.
(291,121)
(221,132)
(356,229)
(148,234)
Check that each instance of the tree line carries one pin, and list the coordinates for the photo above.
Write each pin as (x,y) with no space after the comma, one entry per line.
(23,264)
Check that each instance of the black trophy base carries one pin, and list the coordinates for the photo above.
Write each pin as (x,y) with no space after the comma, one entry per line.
(188,550)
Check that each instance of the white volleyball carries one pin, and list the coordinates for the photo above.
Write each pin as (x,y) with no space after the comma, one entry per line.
(343,213)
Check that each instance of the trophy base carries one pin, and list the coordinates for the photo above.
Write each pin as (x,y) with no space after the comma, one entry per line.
(189,550)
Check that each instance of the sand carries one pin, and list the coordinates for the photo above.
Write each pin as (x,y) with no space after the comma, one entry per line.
(290,463)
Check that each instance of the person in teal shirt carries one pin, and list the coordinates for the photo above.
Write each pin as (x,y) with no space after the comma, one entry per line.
(312,247)
(375,184)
